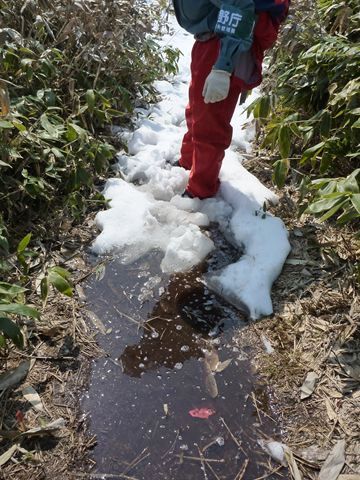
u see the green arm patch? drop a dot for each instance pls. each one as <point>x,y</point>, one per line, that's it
<point>236,22</point>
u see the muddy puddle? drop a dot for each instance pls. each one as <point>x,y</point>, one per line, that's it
<point>169,343</point>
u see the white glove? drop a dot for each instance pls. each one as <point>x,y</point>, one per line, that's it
<point>217,86</point>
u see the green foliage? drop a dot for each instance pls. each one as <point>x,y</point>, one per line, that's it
<point>13,296</point>
<point>311,108</point>
<point>10,330</point>
<point>335,194</point>
<point>70,71</point>
<point>59,278</point>
<point>12,303</point>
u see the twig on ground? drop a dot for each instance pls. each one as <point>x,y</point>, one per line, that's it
<point>158,318</point>
<point>104,475</point>
<point>202,463</point>
<point>140,324</point>
<point>208,445</point>
<point>136,461</point>
<point>256,406</point>
<point>258,409</point>
<point>267,475</point>
<point>211,469</point>
<point>242,471</point>
<point>54,359</point>
<point>199,459</point>
<point>172,445</point>
<point>232,435</point>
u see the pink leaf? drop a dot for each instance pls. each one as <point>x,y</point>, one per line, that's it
<point>202,412</point>
<point>19,416</point>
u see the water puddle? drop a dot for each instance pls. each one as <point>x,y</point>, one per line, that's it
<point>169,342</point>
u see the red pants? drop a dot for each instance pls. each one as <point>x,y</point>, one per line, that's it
<point>209,131</point>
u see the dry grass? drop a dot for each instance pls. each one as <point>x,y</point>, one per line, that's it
<point>61,347</point>
<point>315,328</point>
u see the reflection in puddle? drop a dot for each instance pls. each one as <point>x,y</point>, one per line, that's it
<point>170,347</point>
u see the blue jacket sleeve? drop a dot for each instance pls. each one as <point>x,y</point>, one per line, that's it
<point>234,25</point>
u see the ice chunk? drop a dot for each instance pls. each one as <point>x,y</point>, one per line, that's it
<point>187,247</point>
<point>276,450</point>
<point>124,221</point>
<point>249,281</point>
<point>267,345</point>
<point>165,184</point>
<point>136,223</point>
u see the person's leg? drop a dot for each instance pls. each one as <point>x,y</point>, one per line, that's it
<point>187,147</point>
<point>211,129</point>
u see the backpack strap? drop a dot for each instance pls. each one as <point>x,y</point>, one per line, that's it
<point>217,3</point>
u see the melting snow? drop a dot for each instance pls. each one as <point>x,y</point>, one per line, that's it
<point>147,211</point>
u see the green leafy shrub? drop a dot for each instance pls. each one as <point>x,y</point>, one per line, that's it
<point>13,295</point>
<point>71,69</point>
<point>311,107</point>
<point>12,305</point>
<point>68,71</point>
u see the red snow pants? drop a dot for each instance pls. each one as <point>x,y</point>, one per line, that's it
<point>209,131</point>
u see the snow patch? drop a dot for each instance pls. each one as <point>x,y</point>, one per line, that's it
<point>136,223</point>
<point>276,450</point>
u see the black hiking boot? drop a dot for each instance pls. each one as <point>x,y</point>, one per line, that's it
<point>187,194</point>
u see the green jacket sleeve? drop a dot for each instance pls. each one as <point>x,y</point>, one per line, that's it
<point>234,26</point>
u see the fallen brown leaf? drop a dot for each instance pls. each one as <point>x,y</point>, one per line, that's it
<point>334,463</point>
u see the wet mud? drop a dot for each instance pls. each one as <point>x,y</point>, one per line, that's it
<point>171,350</point>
